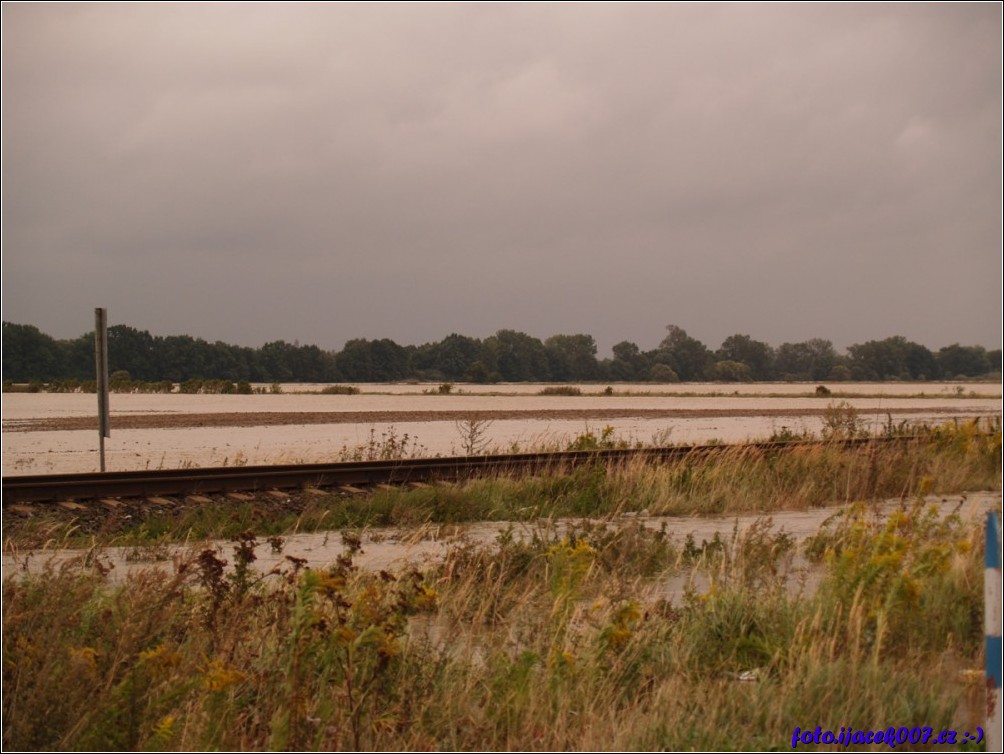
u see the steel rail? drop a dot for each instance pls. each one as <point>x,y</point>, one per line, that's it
<point>215,480</point>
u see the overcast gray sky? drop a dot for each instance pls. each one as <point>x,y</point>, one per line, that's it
<point>322,172</point>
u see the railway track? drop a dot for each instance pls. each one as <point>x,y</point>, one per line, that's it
<point>209,481</point>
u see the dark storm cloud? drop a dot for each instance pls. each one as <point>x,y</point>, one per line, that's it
<point>323,172</point>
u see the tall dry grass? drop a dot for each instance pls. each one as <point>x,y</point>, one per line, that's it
<point>733,480</point>
<point>563,639</point>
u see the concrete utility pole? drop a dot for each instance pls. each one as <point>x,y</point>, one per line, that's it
<point>101,365</point>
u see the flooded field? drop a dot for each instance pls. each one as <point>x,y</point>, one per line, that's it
<point>52,433</point>
<point>931,389</point>
<point>396,548</point>
<point>531,594</point>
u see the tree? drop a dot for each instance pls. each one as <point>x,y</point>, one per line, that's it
<point>450,359</point>
<point>920,362</point>
<point>892,358</point>
<point>455,355</point>
<point>276,358</point>
<point>29,354</point>
<point>840,373</point>
<point>662,373</point>
<point>518,356</point>
<point>687,356</point>
<point>480,373</point>
<point>391,359</point>
<point>963,361</point>
<point>372,360</point>
<point>629,363</point>
<point>994,357</point>
<point>78,356</point>
<point>729,371</point>
<point>571,357</point>
<point>181,359</point>
<point>808,360</point>
<point>310,364</point>
<point>758,356</point>
<point>133,350</point>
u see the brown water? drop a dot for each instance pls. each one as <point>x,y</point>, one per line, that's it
<point>391,549</point>
<point>39,452</point>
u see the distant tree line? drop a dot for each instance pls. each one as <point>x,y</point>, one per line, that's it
<point>506,356</point>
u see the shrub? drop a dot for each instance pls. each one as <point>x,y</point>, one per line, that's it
<point>15,387</point>
<point>190,387</point>
<point>560,390</point>
<point>388,447</point>
<point>840,421</point>
<point>840,373</point>
<point>340,390</point>
<point>474,434</point>
<point>663,373</point>
<point>729,371</point>
<point>140,386</point>
<point>910,574</point>
<point>607,440</point>
<point>207,387</point>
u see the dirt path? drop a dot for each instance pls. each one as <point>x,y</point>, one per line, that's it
<point>277,418</point>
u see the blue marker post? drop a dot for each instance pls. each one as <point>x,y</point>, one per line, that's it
<point>992,622</point>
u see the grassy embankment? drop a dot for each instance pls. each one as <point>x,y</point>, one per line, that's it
<point>562,640</point>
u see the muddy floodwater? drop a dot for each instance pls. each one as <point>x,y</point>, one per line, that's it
<point>392,549</point>
<point>52,433</point>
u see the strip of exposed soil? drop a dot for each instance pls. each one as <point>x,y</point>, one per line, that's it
<point>276,418</point>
